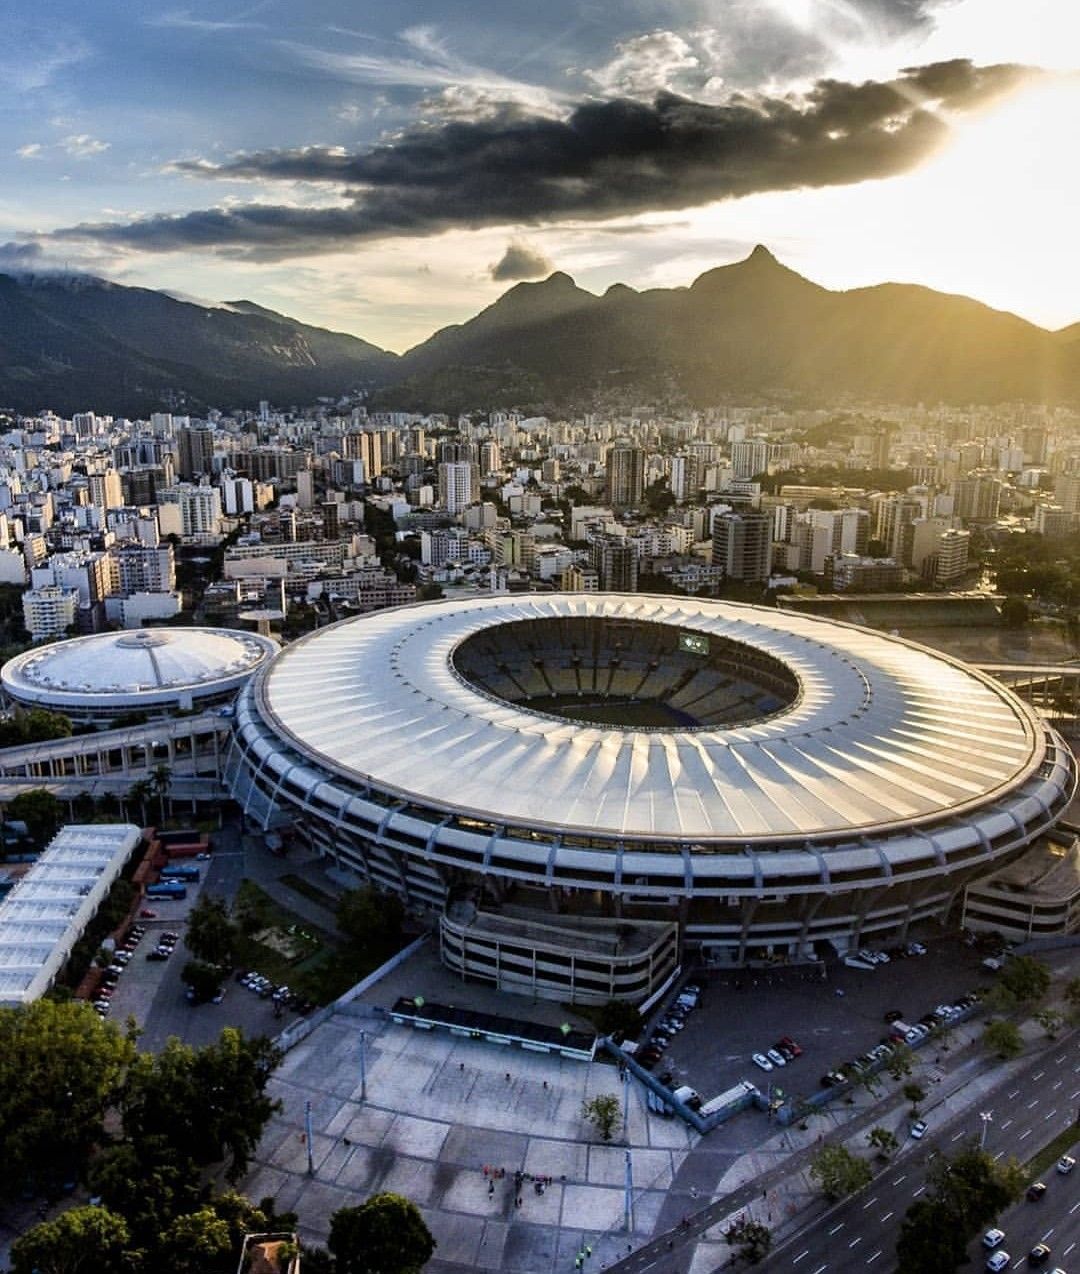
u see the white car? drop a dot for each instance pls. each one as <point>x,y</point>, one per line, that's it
<point>759,1059</point>
<point>916,949</point>
<point>999,1260</point>
<point>1066,1164</point>
<point>776,1057</point>
<point>993,1238</point>
<point>918,1130</point>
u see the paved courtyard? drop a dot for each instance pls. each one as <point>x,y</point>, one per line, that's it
<point>439,1111</point>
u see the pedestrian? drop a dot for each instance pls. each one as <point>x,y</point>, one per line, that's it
<point>508,1077</point>
<point>461,1066</point>
<point>491,1187</point>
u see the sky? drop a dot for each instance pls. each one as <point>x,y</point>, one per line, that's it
<point>387,169</point>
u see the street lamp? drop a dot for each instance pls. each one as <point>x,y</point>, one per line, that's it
<point>363,1066</point>
<point>987,1117</point>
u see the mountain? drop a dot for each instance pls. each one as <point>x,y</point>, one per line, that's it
<point>755,329</point>
<point>72,343</point>
<point>752,331</point>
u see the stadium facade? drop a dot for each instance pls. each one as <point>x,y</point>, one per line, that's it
<point>579,786</point>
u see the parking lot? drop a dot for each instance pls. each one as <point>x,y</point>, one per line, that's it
<point>747,1012</point>
<point>151,991</point>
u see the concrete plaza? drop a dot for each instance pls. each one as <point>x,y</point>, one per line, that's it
<point>441,1114</point>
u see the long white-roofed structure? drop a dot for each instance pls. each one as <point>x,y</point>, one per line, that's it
<point>762,779</point>
<point>49,909</point>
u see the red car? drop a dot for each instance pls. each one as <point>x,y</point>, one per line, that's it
<point>787,1042</point>
<point>150,915</point>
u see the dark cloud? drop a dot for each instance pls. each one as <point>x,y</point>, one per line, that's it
<point>21,256</point>
<point>519,261</point>
<point>605,159</point>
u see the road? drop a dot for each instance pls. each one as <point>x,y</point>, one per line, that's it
<point>1030,1109</point>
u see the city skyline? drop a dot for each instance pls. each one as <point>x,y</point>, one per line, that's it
<point>389,172</point>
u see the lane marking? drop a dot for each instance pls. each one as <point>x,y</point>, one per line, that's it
<point>1033,1104</point>
<point>1060,1059</point>
<point>1015,1093</point>
<point>1068,1249</point>
<point>1005,1124</point>
<point>899,1179</point>
<point>1050,1116</point>
<point>1076,1094</point>
<point>1047,1235</point>
<point>869,1203</point>
<point>837,1228</point>
<point>855,1242</point>
<point>1039,1075</point>
<point>800,1256</point>
<point>957,1136</point>
<point>886,1217</point>
<point>998,1155</point>
<point>871,1259</point>
<point>918,1192</point>
<point>1073,1208</point>
<point>822,1267</point>
<point>1055,1087</point>
<point>1025,1134</point>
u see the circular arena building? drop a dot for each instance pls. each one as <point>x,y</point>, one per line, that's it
<point>154,672</point>
<point>581,784</point>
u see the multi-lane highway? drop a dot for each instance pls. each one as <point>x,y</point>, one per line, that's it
<point>1036,1105</point>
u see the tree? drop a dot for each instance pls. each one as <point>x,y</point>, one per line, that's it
<point>1051,1021</point>
<point>148,1185</point>
<point>199,1243</point>
<point>61,1067</point>
<point>203,979</point>
<point>138,794</point>
<point>82,1239</point>
<point>385,1235</point>
<point>211,935</point>
<point>35,726</point>
<point>1072,998</point>
<point>839,1172</point>
<point>973,1187</point>
<point>883,1141</point>
<point>901,1063</point>
<point>209,1103</point>
<point>370,920</point>
<point>1003,1038</point>
<point>619,1017</point>
<point>914,1093</point>
<point>1014,612</point>
<point>602,1111</point>
<point>929,1241</point>
<point>753,1240</point>
<point>40,811</point>
<point>1025,978</point>
<point>160,781</point>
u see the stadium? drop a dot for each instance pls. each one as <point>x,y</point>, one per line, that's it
<point>580,786</point>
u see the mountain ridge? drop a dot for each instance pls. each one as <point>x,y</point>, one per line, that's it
<point>753,328</point>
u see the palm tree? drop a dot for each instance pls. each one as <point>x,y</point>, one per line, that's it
<point>160,778</point>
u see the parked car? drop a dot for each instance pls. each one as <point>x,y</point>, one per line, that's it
<point>759,1059</point>
<point>787,1042</point>
<point>147,914</point>
<point>894,1015</point>
<point>775,1056</point>
<point>1039,1254</point>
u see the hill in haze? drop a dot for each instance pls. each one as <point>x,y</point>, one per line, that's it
<point>753,331</point>
<point>74,342</point>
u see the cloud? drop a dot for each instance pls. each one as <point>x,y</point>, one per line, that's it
<point>646,65</point>
<point>519,261</point>
<point>82,145</point>
<point>602,160</point>
<point>20,256</point>
<point>32,150</point>
<point>184,20</point>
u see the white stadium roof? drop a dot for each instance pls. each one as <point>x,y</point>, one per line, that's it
<point>142,667</point>
<point>882,734</point>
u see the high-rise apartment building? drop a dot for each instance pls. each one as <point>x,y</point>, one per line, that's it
<point>459,485</point>
<point>196,446</point>
<point>615,561</point>
<point>626,476</point>
<point>742,545</point>
<point>977,497</point>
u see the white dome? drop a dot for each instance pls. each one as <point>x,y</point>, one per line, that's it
<point>130,671</point>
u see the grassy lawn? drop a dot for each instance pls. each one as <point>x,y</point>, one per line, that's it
<point>321,975</point>
<point>313,892</point>
<point>1051,1153</point>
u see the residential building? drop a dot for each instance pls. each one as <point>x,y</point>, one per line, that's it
<point>742,545</point>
